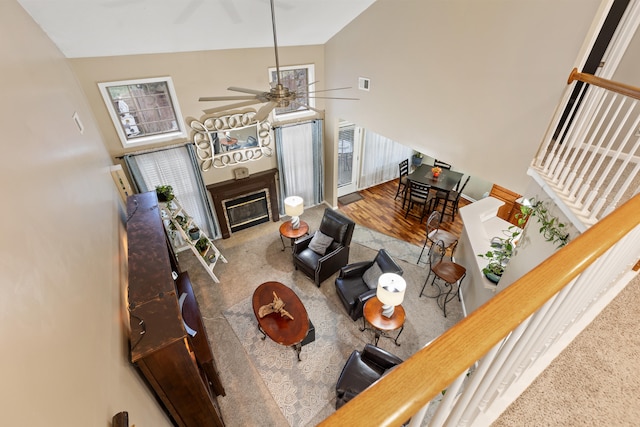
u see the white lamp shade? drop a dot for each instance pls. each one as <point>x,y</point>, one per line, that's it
<point>391,288</point>
<point>293,206</point>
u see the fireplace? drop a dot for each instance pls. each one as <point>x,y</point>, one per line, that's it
<point>243,203</point>
<point>248,210</point>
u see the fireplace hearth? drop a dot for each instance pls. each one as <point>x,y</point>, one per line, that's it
<point>246,211</point>
<point>243,203</point>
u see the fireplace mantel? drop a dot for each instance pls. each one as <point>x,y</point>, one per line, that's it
<point>232,188</point>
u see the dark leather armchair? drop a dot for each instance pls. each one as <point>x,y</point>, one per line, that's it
<point>317,266</point>
<point>351,286</point>
<point>362,370</point>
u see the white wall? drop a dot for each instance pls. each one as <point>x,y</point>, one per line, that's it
<point>473,83</point>
<point>64,350</point>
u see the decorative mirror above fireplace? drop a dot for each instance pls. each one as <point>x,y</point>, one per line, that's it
<point>229,140</point>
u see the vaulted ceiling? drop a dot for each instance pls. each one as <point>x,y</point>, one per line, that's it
<point>88,28</point>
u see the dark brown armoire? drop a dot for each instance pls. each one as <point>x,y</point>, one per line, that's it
<point>168,340</point>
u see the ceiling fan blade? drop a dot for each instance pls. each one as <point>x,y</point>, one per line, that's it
<point>264,111</point>
<point>326,90</point>
<point>231,106</point>
<point>244,90</point>
<point>226,98</point>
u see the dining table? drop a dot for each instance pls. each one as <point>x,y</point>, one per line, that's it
<point>446,181</point>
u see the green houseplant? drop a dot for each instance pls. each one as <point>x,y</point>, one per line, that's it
<point>550,226</point>
<point>182,222</point>
<point>164,193</point>
<point>416,159</point>
<point>202,245</point>
<point>500,253</point>
<point>502,248</point>
<point>194,233</point>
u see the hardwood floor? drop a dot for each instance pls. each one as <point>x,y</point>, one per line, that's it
<point>380,212</point>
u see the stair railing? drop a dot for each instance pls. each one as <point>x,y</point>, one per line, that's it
<point>591,158</point>
<point>488,356</point>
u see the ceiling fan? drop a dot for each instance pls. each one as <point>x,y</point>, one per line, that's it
<point>279,96</point>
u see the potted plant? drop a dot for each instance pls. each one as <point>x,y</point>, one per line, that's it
<point>164,193</point>
<point>500,254</point>
<point>416,159</point>
<point>194,233</point>
<point>550,226</point>
<point>202,245</point>
<point>181,220</point>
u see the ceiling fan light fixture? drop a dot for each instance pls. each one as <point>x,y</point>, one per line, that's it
<point>278,96</point>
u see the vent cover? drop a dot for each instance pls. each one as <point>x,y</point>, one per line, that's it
<point>364,83</point>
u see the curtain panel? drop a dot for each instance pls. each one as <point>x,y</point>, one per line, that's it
<point>178,167</point>
<point>300,162</point>
<point>380,159</point>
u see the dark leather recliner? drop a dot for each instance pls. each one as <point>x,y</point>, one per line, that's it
<point>351,287</point>
<point>362,370</point>
<point>320,267</point>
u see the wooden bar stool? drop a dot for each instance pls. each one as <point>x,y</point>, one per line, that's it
<point>448,272</point>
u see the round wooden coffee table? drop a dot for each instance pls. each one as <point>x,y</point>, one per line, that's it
<point>372,313</point>
<point>282,330</point>
<point>286,230</point>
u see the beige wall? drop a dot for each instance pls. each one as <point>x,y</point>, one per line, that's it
<point>194,74</point>
<point>64,353</point>
<point>472,83</point>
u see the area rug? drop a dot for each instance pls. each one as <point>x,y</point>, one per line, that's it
<point>250,367</point>
<point>349,198</point>
<point>398,249</point>
<point>303,388</point>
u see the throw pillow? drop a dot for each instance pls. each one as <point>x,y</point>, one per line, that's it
<point>371,276</point>
<point>320,242</point>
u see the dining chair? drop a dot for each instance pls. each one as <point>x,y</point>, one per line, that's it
<point>435,233</point>
<point>418,196</point>
<point>402,182</point>
<point>449,273</point>
<point>441,164</point>
<point>450,200</point>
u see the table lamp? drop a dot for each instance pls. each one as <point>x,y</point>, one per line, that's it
<point>390,292</point>
<point>294,206</point>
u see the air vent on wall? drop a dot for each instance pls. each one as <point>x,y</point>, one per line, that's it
<point>364,83</point>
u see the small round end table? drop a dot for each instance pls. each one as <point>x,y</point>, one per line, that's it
<point>372,313</point>
<point>287,231</point>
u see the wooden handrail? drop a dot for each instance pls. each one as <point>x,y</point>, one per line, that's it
<point>399,395</point>
<point>621,88</point>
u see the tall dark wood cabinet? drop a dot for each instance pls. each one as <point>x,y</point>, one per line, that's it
<point>177,365</point>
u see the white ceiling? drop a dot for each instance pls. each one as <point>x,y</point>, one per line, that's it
<point>86,28</point>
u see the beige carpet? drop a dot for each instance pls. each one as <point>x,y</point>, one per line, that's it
<point>302,388</point>
<point>596,380</point>
<point>254,256</point>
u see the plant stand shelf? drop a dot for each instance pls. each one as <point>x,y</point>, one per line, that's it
<point>178,222</point>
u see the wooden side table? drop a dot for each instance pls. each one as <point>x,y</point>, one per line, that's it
<point>287,231</point>
<point>372,311</point>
